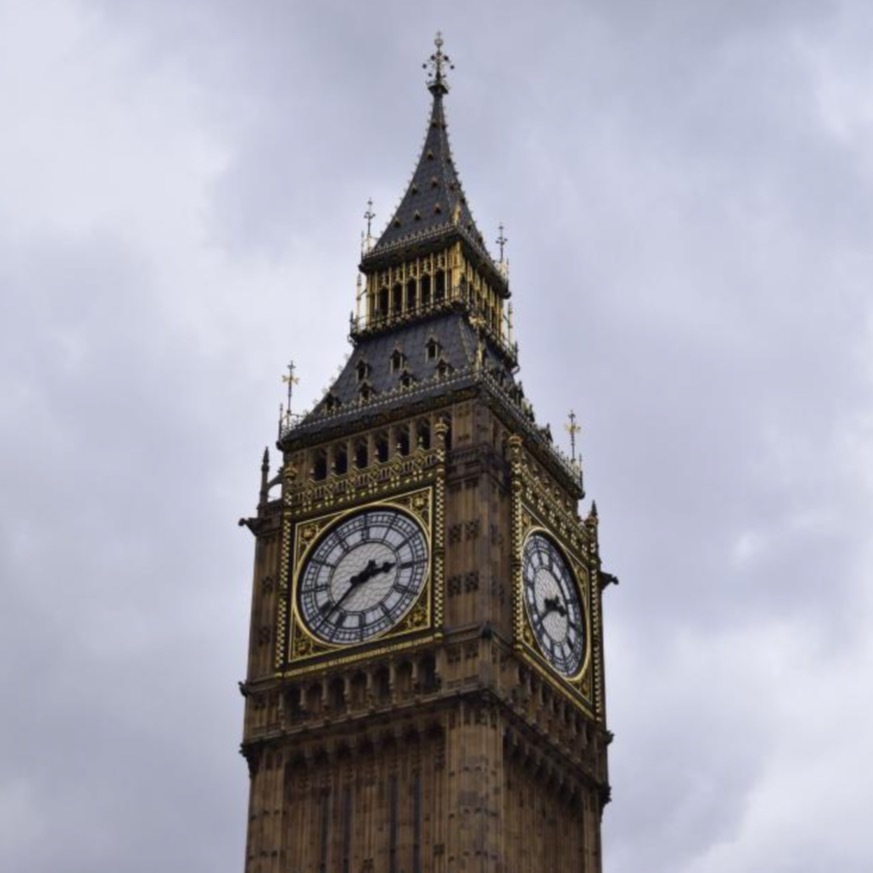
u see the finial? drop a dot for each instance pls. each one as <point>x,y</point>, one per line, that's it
<point>437,62</point>
<point>572,428</point>
<point>290,380</point>
<point>369,215</point>
<point>501,241</point>
<point>367,240</point>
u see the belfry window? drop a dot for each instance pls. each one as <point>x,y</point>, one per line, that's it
<point>410,295</point>
<point>382,308</point>
<point>397,299</point>
<point>362,455</point>
<point>425,290</point>
<point>440,286</point>
<point>319,468</point>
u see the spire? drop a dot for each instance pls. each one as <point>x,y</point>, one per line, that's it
<point>434,206</point>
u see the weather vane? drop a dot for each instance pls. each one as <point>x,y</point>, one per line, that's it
<point>573,428</point>
<point>437,62</point>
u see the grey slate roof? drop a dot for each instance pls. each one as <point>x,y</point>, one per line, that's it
<point>370,365</point>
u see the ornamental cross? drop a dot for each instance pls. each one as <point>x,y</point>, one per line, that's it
<point>437,62</point>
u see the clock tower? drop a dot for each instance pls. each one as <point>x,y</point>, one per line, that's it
<point>425,685</point>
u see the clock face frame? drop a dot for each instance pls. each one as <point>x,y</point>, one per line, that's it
<point>362,576</point>
<point>554,605</point>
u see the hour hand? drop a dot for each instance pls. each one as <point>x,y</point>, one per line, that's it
<point>554,604</point>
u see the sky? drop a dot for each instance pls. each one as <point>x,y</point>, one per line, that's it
<point>686,190</point>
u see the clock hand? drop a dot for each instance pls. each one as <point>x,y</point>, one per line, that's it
<point>372,569</point>
<point>553,604</point>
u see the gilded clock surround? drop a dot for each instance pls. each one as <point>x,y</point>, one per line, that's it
<point>417,505</point>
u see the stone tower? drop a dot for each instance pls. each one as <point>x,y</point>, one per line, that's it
<point>425,687</point>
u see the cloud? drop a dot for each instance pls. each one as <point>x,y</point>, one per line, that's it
<point>686,193</point>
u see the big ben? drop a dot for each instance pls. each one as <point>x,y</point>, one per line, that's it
<point>425,685</point>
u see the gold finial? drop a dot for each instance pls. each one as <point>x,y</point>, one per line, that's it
<point>290,380</point>
<point>573,428</point>
<point>438,62</point>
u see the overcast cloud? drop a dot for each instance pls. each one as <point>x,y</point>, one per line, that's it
<point>686,187</point>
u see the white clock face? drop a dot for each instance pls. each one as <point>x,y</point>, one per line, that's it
<point>553,604</point>
<point>363,576</point>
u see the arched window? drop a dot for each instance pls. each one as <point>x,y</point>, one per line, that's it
<point>397,299</point>
<point>425,290</point>
<point>383,684</point>
<point>382,446</point>
<point>423,434</point>
<point>402,434</point>
<point>411,301</point>
<point>340,460</point>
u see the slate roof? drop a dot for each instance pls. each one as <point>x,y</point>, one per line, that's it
<point>434,207</point>
<point>417,376</point>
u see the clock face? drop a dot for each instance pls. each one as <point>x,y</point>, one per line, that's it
<point>553,604</point>
<point>363,576</point>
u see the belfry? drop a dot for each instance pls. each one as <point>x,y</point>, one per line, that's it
<point>425,685</point>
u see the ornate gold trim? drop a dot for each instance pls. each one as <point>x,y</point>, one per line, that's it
<point>299,644</point>
<point>536,506</point>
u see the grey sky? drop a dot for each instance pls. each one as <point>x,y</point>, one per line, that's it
<point>686,187</point>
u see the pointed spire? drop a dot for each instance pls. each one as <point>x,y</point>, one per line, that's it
<point>434,207</point>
